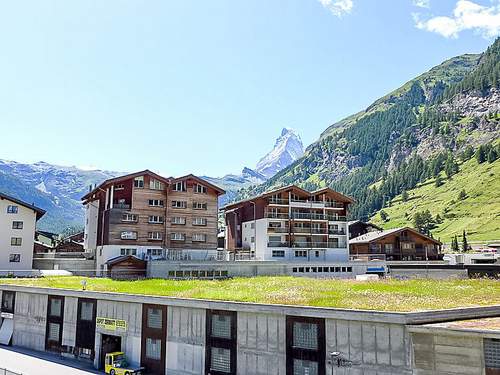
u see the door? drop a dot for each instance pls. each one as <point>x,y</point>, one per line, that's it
<point>85,328</point>
<point>109,344</point>
<point>153,341</point>
<point>54,328</point>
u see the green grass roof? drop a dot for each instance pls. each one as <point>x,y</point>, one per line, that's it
<point>384,295</point>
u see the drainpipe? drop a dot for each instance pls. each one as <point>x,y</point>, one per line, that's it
<point>254,228</point>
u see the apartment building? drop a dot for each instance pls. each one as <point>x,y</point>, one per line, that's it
<point>17,235</point>
<point>152,217</point>
<point>290,224</point>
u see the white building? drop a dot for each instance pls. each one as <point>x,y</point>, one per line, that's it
<point>291,224</point>
<point>17,235</point>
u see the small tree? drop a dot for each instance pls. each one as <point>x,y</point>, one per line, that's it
<point>454,244</point>
<point>424,222</point>
<point>462,195</point>
<point>451,166</point>
<point>438,219</point>
<point>468,153</point>
<point>480,154</point>
<point>492,155</point>
<point>439,181</point>
<point>404,196</point>
<point>383,215</point>
<point>465,245</point>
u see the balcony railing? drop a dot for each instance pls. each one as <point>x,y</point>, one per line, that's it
<point>336,232</point>
<point>278,229</point>
<point>277,201</point>
<point>334,204</point>
<point>319,245</point>
<point>277,244</point>
<point>121,206</point>
<point>277,215</point>
<point>336,218</point>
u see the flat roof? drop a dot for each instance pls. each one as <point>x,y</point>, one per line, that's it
<point>489,327</point>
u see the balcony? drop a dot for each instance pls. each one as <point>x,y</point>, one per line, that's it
<point>277,244</point>
<point>278,201</point>
<point>278,229</point>
<point>307,203</point>
<point>336,232</point>
<point>334,204</point>
<point>121,206</point>
<point>320,245</point>
<point>277,215</point>
<point>308,216</point>
<point>336,218</point>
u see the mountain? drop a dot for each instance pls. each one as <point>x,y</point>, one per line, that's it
<point>56,189</point>
<point>405,137</point>
<point>468,201</point>
<point>287,149</point>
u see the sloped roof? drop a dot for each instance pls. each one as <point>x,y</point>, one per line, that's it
<point>373,236</point>
<point>200,180</point>
<point>39,212</point>
<point>122,258</point>
<point>352,222</point>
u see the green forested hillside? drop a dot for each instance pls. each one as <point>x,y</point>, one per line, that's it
<point>405,138</point>
<point>477,211</point>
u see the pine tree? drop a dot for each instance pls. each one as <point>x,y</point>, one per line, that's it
<point>451,166</point>
<point>404,196</point>
<point>462,195</point>
<point>492,155</point>
<point>383,215</point>
<point>454,244</point>
<point>468,153</point>
<point>480,154</point>
<point>439,181</point>
<point>465,245</point>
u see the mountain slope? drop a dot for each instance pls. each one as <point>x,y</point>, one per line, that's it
<point>56,189</point>
<point>404,137</point>
<point>478,212</point>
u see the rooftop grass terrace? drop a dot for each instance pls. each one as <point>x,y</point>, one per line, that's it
<point>383,295</point>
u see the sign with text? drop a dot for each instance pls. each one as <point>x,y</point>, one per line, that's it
<point>111,324</point>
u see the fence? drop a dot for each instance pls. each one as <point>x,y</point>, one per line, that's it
<point>4,371</point>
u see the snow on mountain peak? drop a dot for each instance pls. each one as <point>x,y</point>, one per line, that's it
<point>286,150</point>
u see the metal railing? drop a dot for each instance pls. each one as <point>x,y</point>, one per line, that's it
<point>367,257</point>
<point>277,201</point>
<point>277,215</point>
<point>334,204</point>
<point>277,244</point>
<point>121,206</point>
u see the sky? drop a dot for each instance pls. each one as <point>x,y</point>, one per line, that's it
<point>205,87</point>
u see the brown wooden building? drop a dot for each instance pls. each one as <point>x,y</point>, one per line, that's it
<point>146,215</point>
<point>397,244</point>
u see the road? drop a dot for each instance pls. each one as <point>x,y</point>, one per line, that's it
<point>28,362</point>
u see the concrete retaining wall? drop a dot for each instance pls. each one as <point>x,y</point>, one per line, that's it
<point>79,267</point>
<point>30,321</point>
<point>439,274</point>
<point>185,341</point>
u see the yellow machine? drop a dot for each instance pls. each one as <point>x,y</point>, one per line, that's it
<point>116,364</point>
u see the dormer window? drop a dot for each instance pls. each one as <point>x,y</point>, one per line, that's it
<point>179,186</point>
<point>139,182</point>
<point>155,184</point>
<point>119,187</point>
<point>200,189</point>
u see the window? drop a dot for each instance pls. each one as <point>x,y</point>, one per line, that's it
<point>178,220</point>
<point>300,253</point>
<point>153,348</point>
<point>156,203</point>
<point>252,239</point>
<point>407,245</point>
<point>53,334</point>
<point>119,187</point>
<point>155,219</point>
<point>177,236</point>
<point>199,237</point>
<point>156,236</point>
<point>200,189</point>
<point>14,258</point>
<point>128,251</point>
<point>17,225</point>
<point>128,235</point>
<point>491,355</point>
<point>155,318</point>
<point>155,184</point>
<point>139,182</point>
<point>305,352</point>
<point>55,307</point>
<point>132,218</point>
<point>388,247</point>
<point>221,342</point>
<point>87,311</point>
<point>199,221</point>
<point>16,241</point>
<point>155,252</point>
<point>12,209</point>
<point>278,253</point>
<point>179,204</point>
<point>8,299</point>
<point>179,186</point>
<point>199,206</point>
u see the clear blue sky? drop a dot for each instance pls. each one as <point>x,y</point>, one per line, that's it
<point>181,86</point>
